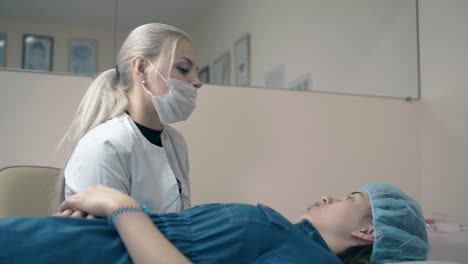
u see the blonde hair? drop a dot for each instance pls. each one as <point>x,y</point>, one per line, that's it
<point>106,97</point>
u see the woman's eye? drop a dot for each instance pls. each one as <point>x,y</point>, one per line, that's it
<point>182,70</point>
<point>349,197</point>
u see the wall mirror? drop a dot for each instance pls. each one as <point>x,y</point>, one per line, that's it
<point>366,47</point>
<point>361,47</point>
<point>60,36</point>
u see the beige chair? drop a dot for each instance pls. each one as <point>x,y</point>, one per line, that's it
<point>26,190</point>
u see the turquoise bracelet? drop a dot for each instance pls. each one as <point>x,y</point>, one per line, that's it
<point>127,209</point>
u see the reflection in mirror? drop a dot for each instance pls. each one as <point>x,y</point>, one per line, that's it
<point>366,47</point>
<point>64,36</point>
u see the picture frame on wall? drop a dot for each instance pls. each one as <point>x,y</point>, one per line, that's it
<point>242,60</point>
<point>3,43</point>
<point>302,83</point>
<point>83,57</point>
<point>204,74</point>
<point>222,69</point>
<point>275,77</point>
<point>37,52</point>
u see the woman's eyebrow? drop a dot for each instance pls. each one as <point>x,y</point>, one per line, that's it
<point>189,61</point>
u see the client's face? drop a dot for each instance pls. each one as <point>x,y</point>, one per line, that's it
<point>341,217</point>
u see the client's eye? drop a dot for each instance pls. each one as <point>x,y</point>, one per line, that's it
<point>349,197</point>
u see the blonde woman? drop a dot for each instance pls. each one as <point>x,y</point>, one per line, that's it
<point>121,136</point>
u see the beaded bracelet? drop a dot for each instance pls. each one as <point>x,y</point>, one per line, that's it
<point>127,209</point>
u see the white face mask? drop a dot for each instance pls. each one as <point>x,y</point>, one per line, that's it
<point>177,104</point>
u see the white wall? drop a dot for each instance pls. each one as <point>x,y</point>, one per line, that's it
<point>444,107</point>
<point>287,148</point>
<point>282,148</point>
<point>358,47</point>
<point>62,35</point>
<point>35,112</point>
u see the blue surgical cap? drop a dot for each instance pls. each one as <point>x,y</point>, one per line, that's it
<point>399,226</point>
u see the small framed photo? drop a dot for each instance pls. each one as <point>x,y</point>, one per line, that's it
<point>3,49</point>
<point>302,83</point>
<point>83,56</point>
<point>222,69</point>
<point>274,78</point>
<point>37,52</point>
<point>204,74</point>
<point>242,60</point>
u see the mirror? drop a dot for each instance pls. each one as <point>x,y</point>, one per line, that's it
<point>64,36</point>
<point>364,47</point>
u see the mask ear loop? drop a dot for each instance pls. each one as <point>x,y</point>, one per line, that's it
<point>157,71</point>
<point>144,83</point>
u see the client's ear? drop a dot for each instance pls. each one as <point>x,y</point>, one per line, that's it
<point>364,235</point>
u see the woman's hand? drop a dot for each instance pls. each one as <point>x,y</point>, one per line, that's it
<point>99,201</point>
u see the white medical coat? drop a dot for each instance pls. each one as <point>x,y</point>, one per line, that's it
<point>116,154</point>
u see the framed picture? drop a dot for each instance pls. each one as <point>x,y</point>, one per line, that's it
<point>83,56</point>
<point>2,49</point>
<point>37,52</point>
<point>303,83</point>
<point>242,60</point>
<point>222,69</point>
<point>274,78</point>
<point>204,74</point>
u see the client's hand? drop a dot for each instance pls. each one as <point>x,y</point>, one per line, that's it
<point>74,213</point>
<point>98,201</point>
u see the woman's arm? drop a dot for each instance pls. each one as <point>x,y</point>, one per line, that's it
<point>144,242</point>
